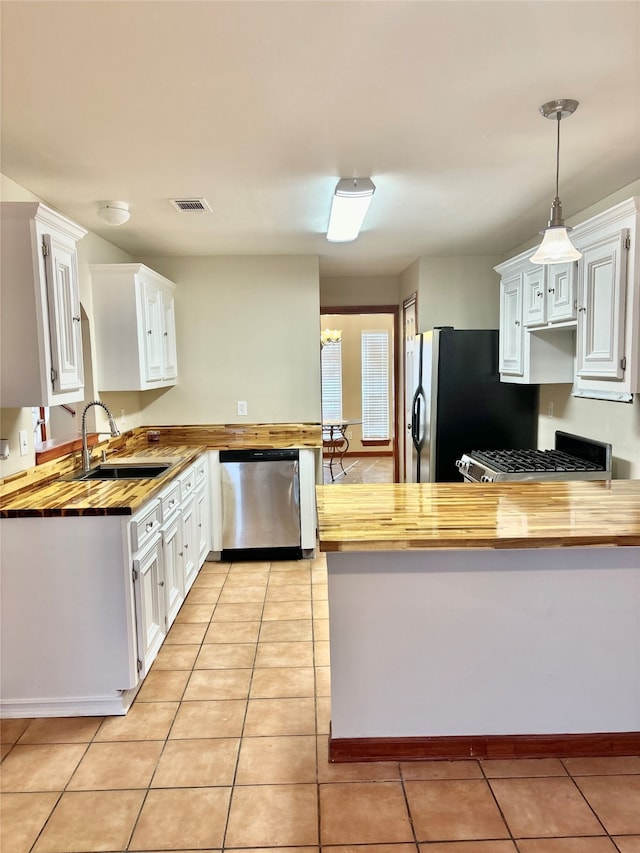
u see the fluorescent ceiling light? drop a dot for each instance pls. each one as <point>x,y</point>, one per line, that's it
<point>351,201</point>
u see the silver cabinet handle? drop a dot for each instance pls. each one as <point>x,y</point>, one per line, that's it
<point>149,526</point>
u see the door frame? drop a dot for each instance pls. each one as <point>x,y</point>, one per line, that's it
<point>381,309</point>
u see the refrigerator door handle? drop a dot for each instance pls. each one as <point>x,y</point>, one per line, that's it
<point>416,436</point>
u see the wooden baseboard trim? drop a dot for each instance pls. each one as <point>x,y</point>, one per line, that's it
<point>484,746</point>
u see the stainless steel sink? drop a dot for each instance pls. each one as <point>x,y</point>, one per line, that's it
<point>119,471</point>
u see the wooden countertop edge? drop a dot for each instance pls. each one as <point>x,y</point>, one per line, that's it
<point>512,543</point>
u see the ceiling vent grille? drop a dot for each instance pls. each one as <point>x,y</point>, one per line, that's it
<point>198,205</point>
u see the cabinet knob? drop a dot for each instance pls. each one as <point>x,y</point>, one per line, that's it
<point>160,583</point>
<point>149,526</point>
<point>538,293</point>
<point>552,290</point>
<point>77,319</point>
<point>516,322</point>
<point>149,331</point>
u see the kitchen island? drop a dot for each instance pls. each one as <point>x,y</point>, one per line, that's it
<point>495,620</point>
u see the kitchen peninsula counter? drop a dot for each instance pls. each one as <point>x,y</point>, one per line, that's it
<point>406,516</point>
<point>486,620</point>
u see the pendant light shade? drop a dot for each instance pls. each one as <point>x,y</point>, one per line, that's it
<point>556,247</point>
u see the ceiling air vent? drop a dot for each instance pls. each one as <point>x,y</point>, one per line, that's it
<point>191,204</point>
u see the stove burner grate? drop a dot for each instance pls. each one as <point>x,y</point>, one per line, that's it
<point>522,461</point>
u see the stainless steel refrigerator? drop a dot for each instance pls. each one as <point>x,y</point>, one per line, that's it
<point>460,404</point>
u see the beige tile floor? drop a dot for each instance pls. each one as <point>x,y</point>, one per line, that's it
<point>226,748</point>
<point>360,469</point>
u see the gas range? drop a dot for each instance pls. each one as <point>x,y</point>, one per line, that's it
<point>574,458</point>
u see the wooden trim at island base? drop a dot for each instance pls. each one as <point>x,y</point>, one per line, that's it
<point>601,744</point>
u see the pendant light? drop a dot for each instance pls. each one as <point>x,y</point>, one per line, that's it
<point>556,247</point>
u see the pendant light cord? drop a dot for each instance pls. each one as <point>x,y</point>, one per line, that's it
<point>558,117</point>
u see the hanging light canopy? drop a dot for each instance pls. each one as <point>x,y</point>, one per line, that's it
<point>351,200</point>
<point>556,247</point>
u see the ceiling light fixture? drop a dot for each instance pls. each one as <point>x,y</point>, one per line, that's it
<point>114,212</point>
<point>349,206</point>
<point>556,247</point>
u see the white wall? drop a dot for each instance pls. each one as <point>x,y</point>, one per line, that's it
<point>248,328</point>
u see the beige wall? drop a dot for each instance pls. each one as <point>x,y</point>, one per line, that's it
<point>341,291</point>
<point>352,326</point>
<point>248,328</point>
<point>460,292</point>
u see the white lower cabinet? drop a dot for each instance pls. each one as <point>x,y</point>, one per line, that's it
<point>172,561</point>
<point>148,584</point>
<point>98,614</point>
<point>189,543</point>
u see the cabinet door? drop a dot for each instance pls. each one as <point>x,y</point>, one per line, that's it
<point>189,544</point>
<point>150,606</point>
<point>152,312</point>
<point>561,292</point>
<point>602,274</point>
<point>169,336</point>
<point>511,330</point>
<point>203,512</point>
<point>534,280</point>
<point>172,554</point>
<point>63,299</point>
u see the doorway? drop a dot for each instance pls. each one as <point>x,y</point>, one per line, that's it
<point>368,396</point>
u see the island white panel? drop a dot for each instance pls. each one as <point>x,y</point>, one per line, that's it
<point>532,641</point>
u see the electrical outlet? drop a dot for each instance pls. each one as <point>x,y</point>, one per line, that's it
<point>23,442</point>
<point>550,410</point>
<point>242,407</point>
<point>349,435</point>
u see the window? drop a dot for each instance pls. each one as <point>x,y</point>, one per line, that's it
<point>375,386</point>
<point>331,361</point>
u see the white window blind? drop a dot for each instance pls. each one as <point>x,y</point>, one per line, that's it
<point>331,360</point>
<point>375,386</point>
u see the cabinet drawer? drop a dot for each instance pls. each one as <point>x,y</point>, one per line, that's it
<point>201,470</point>
<point>144,525</point>
<point>188,483</point>
<point>170,500</point>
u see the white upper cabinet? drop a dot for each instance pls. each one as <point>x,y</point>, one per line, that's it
<point>549,294</point>
<point>577,322</point>
<point>41,353</point>
<point>532,351</point>
<point>134,316</point>
<point>608,338</point>
<point>511,329</point>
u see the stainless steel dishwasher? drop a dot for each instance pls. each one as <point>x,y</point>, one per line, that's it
<point>260,503</point>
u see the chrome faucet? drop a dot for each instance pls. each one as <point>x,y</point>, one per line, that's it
<point>86,455</point>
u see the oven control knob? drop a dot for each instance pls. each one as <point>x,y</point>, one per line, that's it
<point>486,479</point>
<point>462,466</point>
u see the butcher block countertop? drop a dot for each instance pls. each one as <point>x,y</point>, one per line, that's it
<point>60,497</point>
<point>413,516</point>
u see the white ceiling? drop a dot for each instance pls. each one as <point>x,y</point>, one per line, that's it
<point>261,106</point>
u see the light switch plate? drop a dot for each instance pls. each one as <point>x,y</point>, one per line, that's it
<point>23,441</point>
<point>242,407</point>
